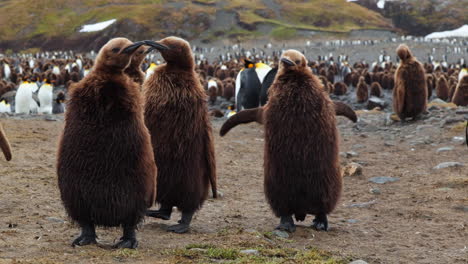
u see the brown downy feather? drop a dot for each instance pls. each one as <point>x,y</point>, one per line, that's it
<point>410,92</point>
<point>176,115</point>
<point>460,96</point>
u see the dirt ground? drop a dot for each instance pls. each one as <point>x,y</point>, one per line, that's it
<point>421,218</point>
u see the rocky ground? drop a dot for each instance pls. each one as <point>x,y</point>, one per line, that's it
<point>404,200</point>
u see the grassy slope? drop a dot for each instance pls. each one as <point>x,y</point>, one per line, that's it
<point>28,18</point>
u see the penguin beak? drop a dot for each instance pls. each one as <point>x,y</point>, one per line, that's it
<point>132,48</point>
<point>156,45</point>
<point>288,62</point>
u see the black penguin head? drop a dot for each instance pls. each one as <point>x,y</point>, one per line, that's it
<point>292,60</point>
<point>117,53</point>
<point>175,51</point>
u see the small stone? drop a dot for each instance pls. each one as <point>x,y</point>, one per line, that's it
<point>462,208</point>
<point>375,191</point>
<point>363,205</point>
<point>360,261</point>
<point>220,194</point>
<point>351,154</point>
<point>449,164</point>
<point>50,118</point>
<point>358,146</point>
<point>444,149</point>
<point>438,101</point>
<point>250,230</point>
<point>250,252</point>
<point>462,112</point>
<point>352,169</point>
<point>280,233</point>
<point>352,221</point>
<point>54,219</point>
<point>458,140</point>
<point>423,127</point>
<point>444,189</point>
<point>383,179</point>
<point>389,144</point>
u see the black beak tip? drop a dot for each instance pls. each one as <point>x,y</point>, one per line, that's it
<point>156,45</point>
<point>288,62</point>
<point>132,48</point>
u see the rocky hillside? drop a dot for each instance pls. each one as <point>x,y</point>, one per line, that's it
<point>418,17</point>
<point>51,24</point>
<point>56,24</point>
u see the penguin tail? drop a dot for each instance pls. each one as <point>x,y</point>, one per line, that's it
<point>4,144</point>
<point>343,109</point>
<point>243,117</point>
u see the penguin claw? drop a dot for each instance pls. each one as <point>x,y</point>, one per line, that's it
<point>158,214</point>
<point>320,223</point>
<point>84,240</point>
<point>179,228</point>
<point>130,243</point>
<point>288,227</point>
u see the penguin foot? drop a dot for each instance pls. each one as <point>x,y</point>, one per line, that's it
<point>87,237</point>
<point>130,243</point>
<point>320,222</point>
<point>84,240</point>
<point>287,224</point>
<point>179,228</point>
<point>184,224</point>
<point>158,214</point>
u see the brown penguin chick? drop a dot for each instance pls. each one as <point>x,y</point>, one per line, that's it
<point>177,117</point>
<point>410,92</point>
<point>229,91</point>
<point>452,87</point>
<point>376,89</point>
<point>348,79</point>
<point>105,166</point>
<point>355,79</point>
<point>4,144</point>
<point>331,76</point>
<point>297,181</point>
<point>340,88</point>
<point>442,88</point>
<point>134,69</point>
<point>460,97</point>
<point>430,85</point>
<point>362,90</point>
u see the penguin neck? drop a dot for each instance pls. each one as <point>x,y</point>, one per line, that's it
<point>185,65</point>
<point>109,70</point>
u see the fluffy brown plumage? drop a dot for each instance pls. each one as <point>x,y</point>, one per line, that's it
<point>340,88</point>
<point>106,170</point>
<point>376,89</point>
<point>177,117</point>
<point>4,144</point>
<point>442,88</point>
<point>134,69</point>
<point>460,97</point>
<point>362,91</point>
<point>298,181</point>
<point>410,92</point>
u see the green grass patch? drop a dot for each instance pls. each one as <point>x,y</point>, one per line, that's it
<point>282,33</point>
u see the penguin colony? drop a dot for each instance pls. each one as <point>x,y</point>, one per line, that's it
<point>140,130</point>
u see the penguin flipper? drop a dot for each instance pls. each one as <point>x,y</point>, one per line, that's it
<point>4,144</point>
<point>243,117</point>
<point>211,163</point>
<point>343,109</point>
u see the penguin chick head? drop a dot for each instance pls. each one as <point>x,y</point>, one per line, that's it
<point>116,54</point>
<point>404,52</point>
<point>140,54</point>
<point>292,60</point>
<point>175,51</point>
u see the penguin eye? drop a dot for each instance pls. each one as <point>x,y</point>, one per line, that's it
<point>115,50</point>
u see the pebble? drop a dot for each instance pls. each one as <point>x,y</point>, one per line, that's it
<point>363,205</point>
<point>280,233</point>
<point>352,169</point>
<point>376,102</point>
<point>462,208</point>
<point>54,219</point>
<point>198,249</point>
<point>375,191</point>
<point>444,149</point>
<point>352,221</point>
<point>250,252</point>
<point>462,112</point>
<point>389,144</point>
<point>458,140</point>
<point>383,179</point>
<point>449,164</point>
<point>359,261</point>
<point>423,127</point>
